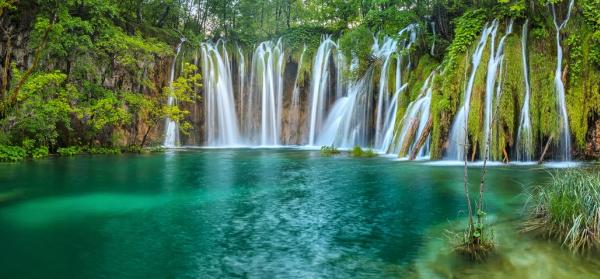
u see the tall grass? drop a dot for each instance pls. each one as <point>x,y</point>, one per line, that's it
<point>568,209</point>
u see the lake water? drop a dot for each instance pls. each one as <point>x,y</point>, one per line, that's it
<point>261,213</point>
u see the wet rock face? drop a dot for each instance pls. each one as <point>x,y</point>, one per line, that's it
<point>592,148</point>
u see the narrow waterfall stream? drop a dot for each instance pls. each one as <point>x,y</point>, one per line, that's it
<point>171,127</point>
<point>492,86</point>
<point>458,132</point>
<point>565,135</point>
<point>525,135</point>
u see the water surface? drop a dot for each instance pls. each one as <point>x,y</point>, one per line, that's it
<point>253,213</point>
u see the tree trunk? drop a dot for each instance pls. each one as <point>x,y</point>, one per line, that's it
<point>412,130</point>
<point>541,160</point>
<point>422,139</point>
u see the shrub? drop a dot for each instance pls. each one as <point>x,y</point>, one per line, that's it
<point>39,153</point>
<point>567,209</point>
<point>12,153</point>
<point>70,151</point>
<point>359,152</point>
<point>104,150</point>
<point>329,150</point>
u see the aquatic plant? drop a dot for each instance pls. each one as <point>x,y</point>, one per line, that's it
<point>359,152</point>
<point>567,209</point>
<point>329,150</point>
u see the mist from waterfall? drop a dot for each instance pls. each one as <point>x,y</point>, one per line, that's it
<point>348,122</point>
<point>172,127</point>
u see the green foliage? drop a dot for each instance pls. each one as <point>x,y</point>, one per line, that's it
<point>12,153</point>
<point>329,150</point>
<point>39,153</point>
<point>359,152</point>
<point>467,29</point>
<point>297,37</point>
<point>567,209</point>
<point>70,151</point>
<point>357,43</point>
<point>390,20</point>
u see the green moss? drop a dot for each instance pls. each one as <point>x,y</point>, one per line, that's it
<point>542,61</point>
<point>511,99</point>
<point>583,88</point>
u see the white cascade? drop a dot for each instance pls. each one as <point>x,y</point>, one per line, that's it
<point>267,67</point>
<point>319,88</point>
<point>525,135</point>
<point>458,132</point>
<point>221,124</point>
<point>491,84</point>
<point>416,117</point>
<point>559,88</point>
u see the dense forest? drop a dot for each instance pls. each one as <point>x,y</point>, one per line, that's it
<point>95,74</point>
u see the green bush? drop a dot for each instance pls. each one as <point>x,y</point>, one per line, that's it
<point>329,150</point>
<point>359,152</point>
<point>103,150</point>
<point>12,153</point>
<point>39,153</point>
<point>70,151</point>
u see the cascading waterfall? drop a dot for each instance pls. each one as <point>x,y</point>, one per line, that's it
<point>348,122</point>
<point>384,52</point>
<point>559,87</point>
<point>294,111</point>
<point>319,88</point>
<point>416,118</point>
<point>524,135</point>
<point>385,125</point>
<point>171,127</point>
<point>458,132</point>
<point>267,67</point>
<point>494,63</point>
<point>221,126</point>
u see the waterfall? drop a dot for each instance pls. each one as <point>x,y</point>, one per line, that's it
<point>172,127</point>
<point>565,135</point>
<point>294,111</point>
<point>494,63</point>
<point>384,52</point>
<point>319,88</point>
<point>267,66</point>
<point>384,124</point>
<point>221,127</point>
<point>524,135</point>
<point>416,117</point>
<point>242,87</point>
<point>348,122</point>
<point>458,132</point>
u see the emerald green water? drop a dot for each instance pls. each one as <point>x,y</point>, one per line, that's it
<point>251,213</point>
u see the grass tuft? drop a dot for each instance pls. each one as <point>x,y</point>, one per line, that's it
<point>567,209</point>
